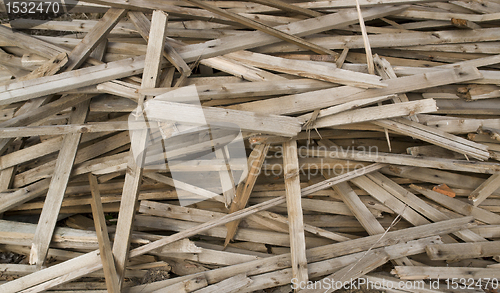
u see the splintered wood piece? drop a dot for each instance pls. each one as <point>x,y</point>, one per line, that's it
<point>50,67</point>
<point>366,42</point>
<point>226,176</point>
<point>294,208</point>
<point>92,39</point>
<point>264,28</point>
<point>444,189</point>
<point>133,176</point>
<point>384,69</point>
<point>108,262</point>
<point>484,190</point>
<point>245,187</point>
<point>57,188</point>
<point>7,174</point>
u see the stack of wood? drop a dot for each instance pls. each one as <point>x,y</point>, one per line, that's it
<point>370,127</point>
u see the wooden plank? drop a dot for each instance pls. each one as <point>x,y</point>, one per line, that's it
<point>294,208</point>
<point>154,53</point>
<point>57,188</point>
<point>245,187</point>
<point>108,262</point>
<point>390,201</point>
<point>49,68</point>
<point>377,113</point>
<point>366,42</point>
<point>239,69</point>
<point>317,70</point>
<point>247,121</point>
<point>133,176</point>
<point>24,90</point>
<point>457,251</point>
<point>484,190</point>
<point>98,33</point>
<point>91,127</point>
<point>257,88</point>
<point>422,14</point>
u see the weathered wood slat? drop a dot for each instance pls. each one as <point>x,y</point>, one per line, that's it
<point>131,185</point>
<point>107,259</point>
<point>57,188</point>
<point>98,33</point>
<point>245,187</point>
<point>436,136</point>
<point>294,209</point>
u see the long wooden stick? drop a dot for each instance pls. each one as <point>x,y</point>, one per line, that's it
<point>108,262</point>
<point>244,189</point>
<point>57,188</point>
<point>294,208</point>
<point>133,178</point>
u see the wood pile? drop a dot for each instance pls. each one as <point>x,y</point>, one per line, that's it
<point>369,131</point>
